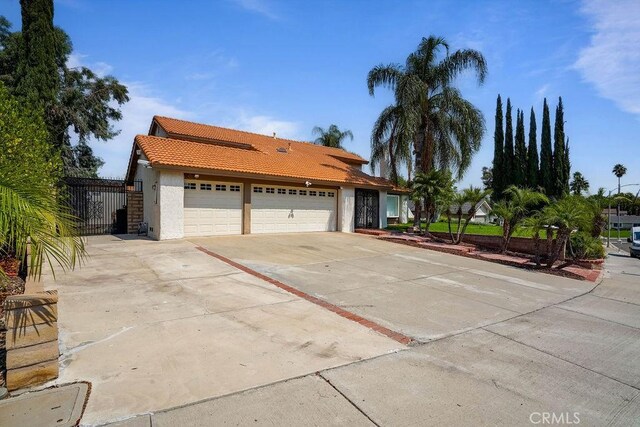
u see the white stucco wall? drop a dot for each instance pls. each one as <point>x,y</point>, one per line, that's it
<point>346,209</point>
<point>149,178</point>
<point>383,208</point>
<point>170,205</point>
<point>404,209</point>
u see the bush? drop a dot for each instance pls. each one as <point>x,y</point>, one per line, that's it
<point>584,246</point>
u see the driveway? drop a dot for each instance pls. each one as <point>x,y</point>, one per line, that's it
<point>155,325</point>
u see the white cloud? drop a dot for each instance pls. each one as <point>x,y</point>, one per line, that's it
<point>258,6</point>
<point>77,60</point>
<point>264,124</point>
<point>542,92</point>
<point>612,59</point>
<point>136,119</point>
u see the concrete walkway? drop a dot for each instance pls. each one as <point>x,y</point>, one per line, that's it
<point>496,345</point>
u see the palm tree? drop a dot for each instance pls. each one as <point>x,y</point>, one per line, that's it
<point>435,190</point>
<point>619,171</point>
<point>520,204</point>
<point>578,184</point>
<point>446,130</point>
<point>391,142</point>
<point>471,197</point>
<point>537,222</point>
<point>567,214</point>
<point>331,137</point>
<point>35,215</point>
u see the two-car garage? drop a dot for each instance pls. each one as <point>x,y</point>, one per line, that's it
<point>216,208</point>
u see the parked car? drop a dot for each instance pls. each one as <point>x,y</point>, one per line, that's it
<point>634,239</point>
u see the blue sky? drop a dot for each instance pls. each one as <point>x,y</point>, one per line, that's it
<point>287,66</point>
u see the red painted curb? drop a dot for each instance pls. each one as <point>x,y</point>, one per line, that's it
<point>403,339</point>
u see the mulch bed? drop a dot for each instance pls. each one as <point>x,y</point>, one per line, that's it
<point>9,286</point>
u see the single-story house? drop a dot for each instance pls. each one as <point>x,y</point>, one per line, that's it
<point>203,180</point>
<point>482,215</point>
<point>625,222</point>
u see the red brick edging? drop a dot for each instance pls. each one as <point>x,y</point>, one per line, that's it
<point>403,339</point>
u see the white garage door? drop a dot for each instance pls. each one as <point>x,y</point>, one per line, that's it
<point>212,208</point>
<point>289,209</point>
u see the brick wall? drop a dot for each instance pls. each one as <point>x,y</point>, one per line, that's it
<point>32,339</point>
<point>135,209</point>
<point>521,245</point>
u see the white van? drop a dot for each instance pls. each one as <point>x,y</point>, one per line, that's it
<point>634,239</point>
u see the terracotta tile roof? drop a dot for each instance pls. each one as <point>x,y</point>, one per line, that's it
<point>182,129</point>
<point>197,146</point>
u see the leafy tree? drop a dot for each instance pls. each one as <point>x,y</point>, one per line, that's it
<point>391,141</point>
<point>509,156</point>
<point>546,155</point>
<point>578,184</point>
<point>75,101</point>
<point>537,223</point>
<point>331,137</point>
<point>533,168</point>
<point>469,198</point>
<point>434,190</point>
<point>498,184</point>
<point>487,178</point>
<point>560,177</point>
<point>30,207</point>
<point>519,204</point>
<point>446,130</point>
<point>520,159</point>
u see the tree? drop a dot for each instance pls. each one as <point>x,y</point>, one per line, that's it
<point>31,209</point>
<point>546,155</point>
<point>578,184</point>
<point>520,154</point>
<point>560,181</point>
<point>537,223</point>
<point>619,171</point>
<point>487,178</point>
<point>434,190</point>
<point>509,156</point>
<point>332,137</point>
<point>498,184</point>
<point>75,101</point>
<point>446,130</point>
<point>470,198</point>
<point>519,204</point>
<point>391,142</point>
<point>533,168</point>
<point>567,214</point>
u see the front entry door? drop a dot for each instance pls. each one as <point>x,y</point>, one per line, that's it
<point>367,209</point>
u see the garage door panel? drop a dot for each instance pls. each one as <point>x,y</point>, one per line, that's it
<point>289,213</point>
<point>212,211</point>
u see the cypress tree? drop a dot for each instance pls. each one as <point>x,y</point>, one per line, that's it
<point>37,78</point>
<point>546,155</point>
<point>508,159</point>
<point>498,153</point>
<point>567,166</point>
<point>533,170</point>
<point>520,163</point>
<point>559,169</point>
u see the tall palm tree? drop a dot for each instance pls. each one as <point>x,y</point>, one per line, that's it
<point>391,142</point>
<point>446,130</point>
<point>578,184</point>
<point>331,137</point>
<point>619,171</point>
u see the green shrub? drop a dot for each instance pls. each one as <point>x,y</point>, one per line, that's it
<point>584,246</point>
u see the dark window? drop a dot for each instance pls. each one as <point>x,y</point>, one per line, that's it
<point>313,193</point>
<point>220,187</point>
<point>303,192</point>
<point>282,191</point>
<point>293,192</point>
<point>234,188</point>
<point>270,190</point>
<point>189,185</point>
<point>331,194</point>
<point>257,189</point>
<point>322,193</point>
<point>205,187</point>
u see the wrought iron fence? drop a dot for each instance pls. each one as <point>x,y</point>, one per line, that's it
<point>100,205</point>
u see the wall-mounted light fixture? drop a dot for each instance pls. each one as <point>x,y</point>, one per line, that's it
<point>196,176</point>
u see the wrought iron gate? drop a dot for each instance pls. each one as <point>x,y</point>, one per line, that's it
<point>100,205</point>
<point>367,209</point>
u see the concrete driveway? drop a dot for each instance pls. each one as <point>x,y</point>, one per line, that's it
<point>156,325</point>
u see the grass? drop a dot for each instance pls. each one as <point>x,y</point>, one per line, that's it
<point>478,229</point>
